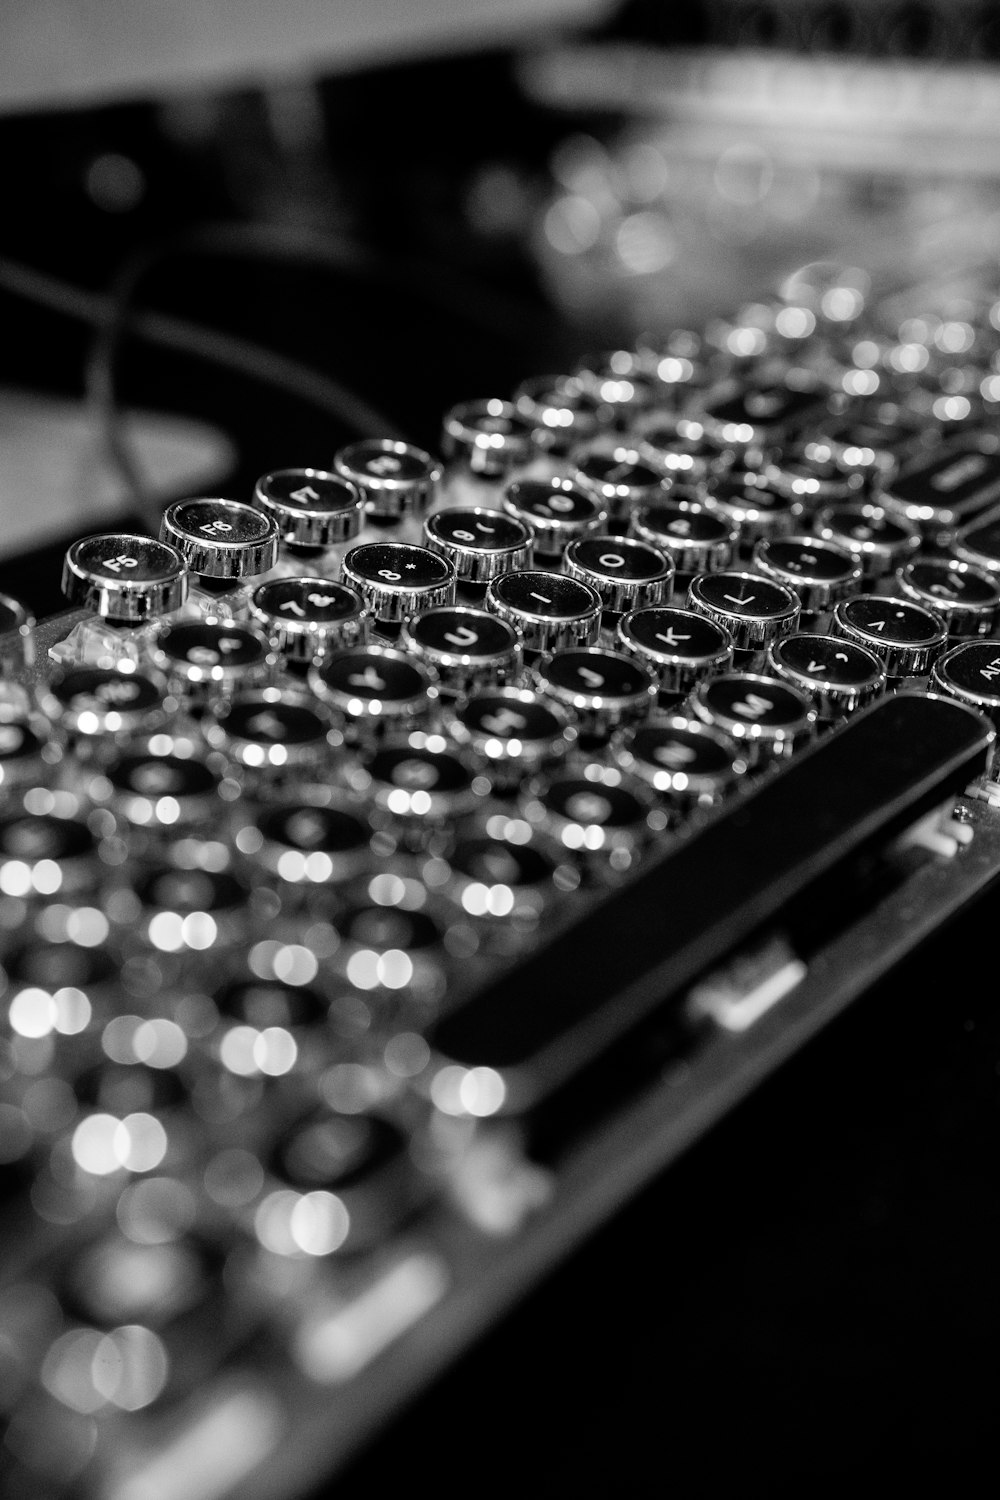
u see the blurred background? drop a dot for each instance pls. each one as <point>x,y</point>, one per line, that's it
<point>235,237</point>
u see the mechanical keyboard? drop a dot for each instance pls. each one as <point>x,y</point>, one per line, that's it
<point>402,865</point>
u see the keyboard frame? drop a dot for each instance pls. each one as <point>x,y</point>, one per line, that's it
<point>492,1273</point>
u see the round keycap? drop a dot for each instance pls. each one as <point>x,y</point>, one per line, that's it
<point>42,854</point>
<point>396,579</point>
<point>626,572</point>
<point>124,577</point>
<point>310,507</point>
<point>695,538</point>
<point>880,543</point>
<point>841,675</point>
<point>310,843</point>
<point>273,730</point>
<point>870,440</point>
<point>621,381</point>
<point>754,509</point>
<point>601,689</point>
<point>679,646</point>
<point>596,812</point>
<point>115,1281</point>
<point>260,1004</point>
<point>807,470</point>
<point>769,718</point>
<point>22,754</point>
<point>512,731</point>
<point>966,598</point>
<point>357,1165</point>
<point>480,544</point>
<point>556,510</point>
<point>128,1088</point>
<point>681,448</point>
<point>754,609</point>
<point>679,365</point>
<point>503,885</point>
<point>385,928</point>
<point>212,656</point>
<point>418,783</point>
<point>197,910</point>
<point>333,1151</point>
<point>395,952</point>
<point>619,476</point>
<point>758,415</point>
<point>221,538</point>
<point>395,479</point>
<point>970,672</point>
<point>304,618</point>
<point>819,572</point>
<point>466,647</point>
<point>374,685</point>
<point>58,963</point>
<point>689,764</point>
<point>490,437</point>
<point>562,407</point>
<point>548,609</point>
<point>98,701</point>
<point>166,786</point>
<point>908,638</point>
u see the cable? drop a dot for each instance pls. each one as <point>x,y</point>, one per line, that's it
<point>113,317</point>
<point>497,314</point>
<point>490,308</point>
<point>238,354</point>
<point>101,396</point>
<point>226,350</point>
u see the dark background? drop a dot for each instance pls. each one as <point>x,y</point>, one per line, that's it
<point>803,1305</point>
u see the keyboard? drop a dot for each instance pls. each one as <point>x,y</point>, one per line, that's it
<point>403,865</point>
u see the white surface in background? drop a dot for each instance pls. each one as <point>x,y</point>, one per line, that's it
<point>55,482</point>
<point>58,53</point>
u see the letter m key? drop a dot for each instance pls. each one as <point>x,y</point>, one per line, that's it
<point>753,706</point>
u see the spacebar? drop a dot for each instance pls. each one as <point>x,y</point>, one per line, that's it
<point>850,793</point>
